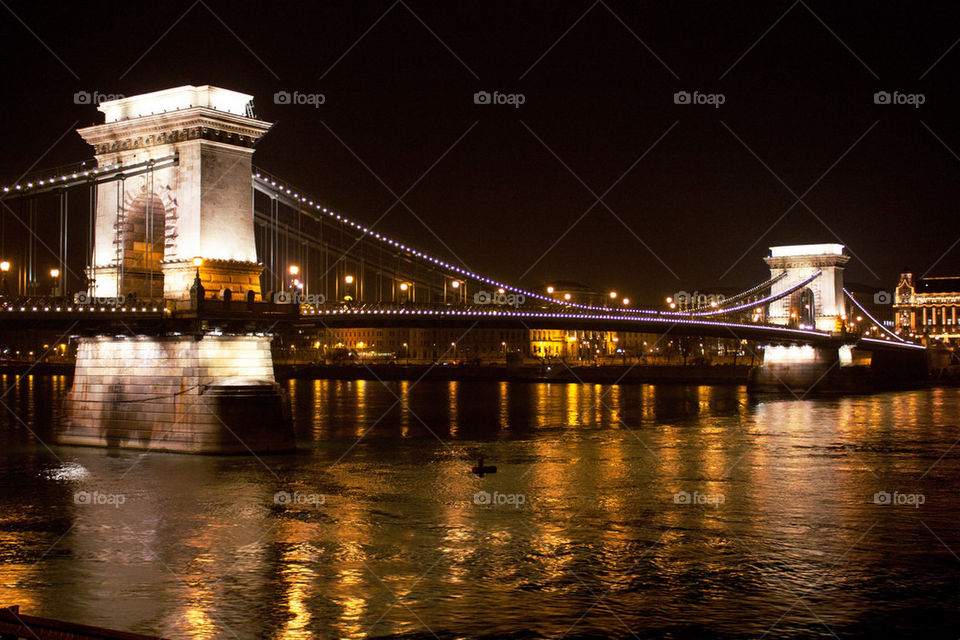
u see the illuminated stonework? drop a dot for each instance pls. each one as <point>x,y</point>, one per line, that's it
<point>818,305</point>
<point>927,306</point>
<point>155,222</point>
<point>177,393</point>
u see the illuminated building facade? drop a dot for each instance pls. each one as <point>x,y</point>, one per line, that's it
<point>493,346</point>
<point>928,306</point>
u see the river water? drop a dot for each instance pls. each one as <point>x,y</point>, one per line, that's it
<point>616,511</point>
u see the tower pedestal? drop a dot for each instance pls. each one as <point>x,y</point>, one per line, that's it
<point>237,276</point>
<point>802,370</point>
<point>215,395</point>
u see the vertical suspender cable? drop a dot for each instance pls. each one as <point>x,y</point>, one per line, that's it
<point>91,278</point>
<point>149,234</point>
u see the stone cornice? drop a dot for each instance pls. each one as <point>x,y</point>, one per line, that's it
<point>172,127</point>
<point>804,262</point>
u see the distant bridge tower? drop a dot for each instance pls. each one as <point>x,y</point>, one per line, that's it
<point>151,226</point>
<point>820,304</point>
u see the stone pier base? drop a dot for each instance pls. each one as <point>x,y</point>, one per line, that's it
<point>801,370</point>
<point>214,395</point>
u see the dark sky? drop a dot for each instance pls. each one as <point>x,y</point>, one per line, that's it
<point>504,188</point>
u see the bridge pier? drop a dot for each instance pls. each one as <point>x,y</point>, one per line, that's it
<point>802,369</point>
<point>836,368</point>
<point>183,224</point>
<point>215,395</point>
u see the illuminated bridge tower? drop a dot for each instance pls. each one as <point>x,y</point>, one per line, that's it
<point>151,226</point>
<point>818,305</point>
<point>184,208</point>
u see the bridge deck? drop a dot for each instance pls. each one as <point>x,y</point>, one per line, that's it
<point>152,318</point>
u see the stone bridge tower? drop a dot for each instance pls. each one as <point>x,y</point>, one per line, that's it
<point>150,227</point>
<point>186,193</point>
<point>818,305</point>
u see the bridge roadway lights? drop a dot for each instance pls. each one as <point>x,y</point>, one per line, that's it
<point>215,394</point>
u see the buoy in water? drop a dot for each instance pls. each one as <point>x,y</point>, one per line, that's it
<point>480,469</point>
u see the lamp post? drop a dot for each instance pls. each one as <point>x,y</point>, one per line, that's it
<point>4,285</point>
<point>455,285</point>
<point>293,270</point>
<point>55,282</point>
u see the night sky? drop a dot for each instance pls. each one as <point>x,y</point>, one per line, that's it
<point>692,195</point>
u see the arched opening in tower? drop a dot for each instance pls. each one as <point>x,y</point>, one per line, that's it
<point>142,238</point>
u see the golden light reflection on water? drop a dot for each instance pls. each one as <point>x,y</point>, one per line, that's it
<point>453,405</point>
<point>347,583</point>
<point>599,504</point>
<point>18,579</point>
<point>298,580</point>
<point>503,396</point>
<point>404,414</point>
<point>360,397</point>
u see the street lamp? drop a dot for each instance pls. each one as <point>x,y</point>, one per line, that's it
<point>550,289</point>
<point>613,295</point>
<point>626,302</point>
<point>4,286</point>
<point>348,283</point>
<point>55,277</point>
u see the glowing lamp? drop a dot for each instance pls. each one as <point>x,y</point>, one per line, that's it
<point>294,269</point>
<point>613,295</point>
<point>455,284</point>
<point>550,289</point>
<point>348,279</point>
<point>54,273</point>
<point>197,261</point>
<point>4,266</point>
<point>404,286</point>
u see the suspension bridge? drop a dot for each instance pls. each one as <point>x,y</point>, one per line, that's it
<point>172,258</point>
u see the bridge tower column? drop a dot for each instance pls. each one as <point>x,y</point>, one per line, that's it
<point>198,392</point>
<point>150,226</point>
<point>820,304</point>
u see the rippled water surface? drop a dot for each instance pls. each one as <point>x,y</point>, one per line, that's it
<point>663,512</point>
